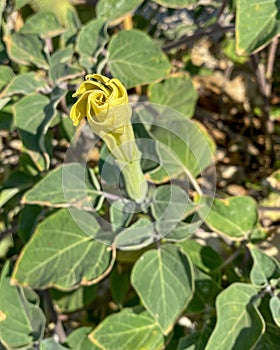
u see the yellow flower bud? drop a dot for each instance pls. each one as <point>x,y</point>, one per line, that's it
<point>104,102</point>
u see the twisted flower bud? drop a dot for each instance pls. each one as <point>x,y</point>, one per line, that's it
<point>104,102</point>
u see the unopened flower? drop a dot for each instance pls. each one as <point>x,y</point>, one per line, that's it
<point>104,102</point>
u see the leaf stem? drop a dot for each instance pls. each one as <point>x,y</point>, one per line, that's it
<point>59,330</point>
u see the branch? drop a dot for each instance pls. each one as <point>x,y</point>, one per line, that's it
<point>59,330</point>
<point>9,231</point>
<point>270,62</point>
<point>264,81</point>
<point>221,11</point>
<point>188,40</point>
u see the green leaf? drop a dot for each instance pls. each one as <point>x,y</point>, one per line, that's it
<point>147,146</point>
<point>257,23</point>
<point>66,185</point>
<point>270,339</point>
<point>26,49</point>
<point>235,217</point>
<point>92,36</point>
<point>66,127</point>
<point>6,243</point>
<point>7,193</point>
<point>119,283</point>
<point>171,205</point>
<point>61,56</point>
<point>121,8</point>
<point>33,115</point>
<point>121,212</point>
<point>51,344</point>
<point>239,323</point>
<point>7,118</point>
<point>90,41</point>
<point>63,71</point>
<point>78,340</point>
<point>72,301</point>
<point>274,305</point>
<point>129,329</point>
<point>61,68</point>
<point>44,24</point>
<point>3,103</point>
<point>137,236</point>
<point>180,233</point>
<point>25,84</point>
<point>206,290</point>
<point>135,59</point>
<point>184,147</point>
<point>6,75</point>
<point>175,92</point>
<point>16,182</point>
<point>22,322</point>
<point>21,3</point>
<point>163,279</point>
<point>203,256</point>
<point>175,3</point>
<point>29,116</point>
<point>27,221</point>
<point>72,24</point>
<point>64,253</point>
<point>264,268</point>
<point>195,341</point>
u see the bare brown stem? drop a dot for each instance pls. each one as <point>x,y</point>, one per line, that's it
<point>188,40</point>
<point>263,77</point>
<point>59,330</point>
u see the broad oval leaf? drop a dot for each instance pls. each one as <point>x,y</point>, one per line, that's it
<point>90,41</point>
<point>78,340</point>
<point>6,75</point>
<point>28,220</point>
<point>33,115</point>
<point>235,217</point>
<point>91,36</point>
<point>51,344</point>
<point>135,59</point>
<point>274,305</point>
<point>264,268</point>
<point>239,322</point>
<point>206,290</point>
<point>25,84</point>
<point>74,300</point>
<point>121,212</point>
<point>61,67</point>
<point>130,329</point>
<point>22,322</point>
<point>195,341</point>
<point>44,24</point>
<point>176,92</point>
<point>29,116</point>
<point>203,256</point>
<point>257,22</point>
<point>184,146</point>
<point>270,339</point>
<point>121,8</point>
<point>163,279</point>
<point>180,233</point>
<point>26,49</point>
<point>69,184</point>
<point>64,253</point>
<point>137,236</point>
<point>171,205</point>
<point>175,3</point>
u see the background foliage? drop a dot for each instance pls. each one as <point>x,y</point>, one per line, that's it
<point>155,284</point>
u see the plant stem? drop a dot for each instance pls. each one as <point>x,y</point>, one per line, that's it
<point>59,330</point>
<point>188,40</point>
